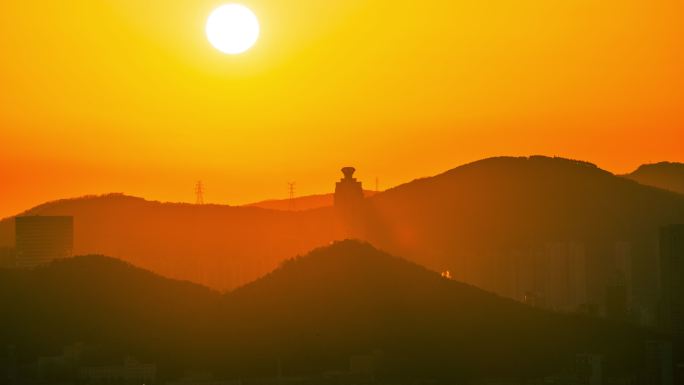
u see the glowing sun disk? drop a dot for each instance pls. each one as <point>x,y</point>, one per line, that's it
<point>232,28</point>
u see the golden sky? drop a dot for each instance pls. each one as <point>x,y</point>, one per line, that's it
<point>129,96</point>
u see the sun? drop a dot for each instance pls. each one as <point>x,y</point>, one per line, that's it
<point>232,28</point>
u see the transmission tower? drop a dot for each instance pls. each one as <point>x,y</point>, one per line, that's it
<point>291,189</point>
<point>199,193</point>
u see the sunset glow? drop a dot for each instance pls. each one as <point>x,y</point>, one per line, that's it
<point>342,192</point>
<point>128,96</point>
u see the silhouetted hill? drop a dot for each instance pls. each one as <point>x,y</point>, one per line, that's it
<point>665,175</point>
<point>311,314</point>
<point>350,298</point>
<point>216,245</point>
<point>105,303</point>
<point>307,202</point>
<point>489,220</point>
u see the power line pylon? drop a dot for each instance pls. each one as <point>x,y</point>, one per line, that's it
<point>291,189</point>
<point>199,193</point>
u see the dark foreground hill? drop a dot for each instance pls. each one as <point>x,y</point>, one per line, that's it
<point>311,315</point>
<point>664,175</point>
<point>104,302</point>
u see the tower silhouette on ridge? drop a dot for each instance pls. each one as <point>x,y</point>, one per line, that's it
<point>199,193</point>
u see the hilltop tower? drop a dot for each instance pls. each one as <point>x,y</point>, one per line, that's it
<point>348,191</point>
<point>349,205</point>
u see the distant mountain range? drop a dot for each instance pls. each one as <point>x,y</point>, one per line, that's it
<point>219,246</point>
<point>482,221</point>
<point>311,314</point>
<point>306,202</point>
<point>665,175</point>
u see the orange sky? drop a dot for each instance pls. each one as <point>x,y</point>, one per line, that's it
<point>128,96</point>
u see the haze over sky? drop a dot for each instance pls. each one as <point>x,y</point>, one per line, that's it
<point>99,96</point>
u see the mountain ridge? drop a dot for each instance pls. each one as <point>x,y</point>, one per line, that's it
<point>664,175</point>
<point>470,220</point>
<point>305,202</point>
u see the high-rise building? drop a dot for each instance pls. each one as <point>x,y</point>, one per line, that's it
<point>6,257</point>
<point>41,239</point>
<point>658,365</point>
<point>552,274</point>
<point>672,278</point>
<point>564,275</point>
<point>589,369</point>
<point>616,306</point>
<point>618,299</point>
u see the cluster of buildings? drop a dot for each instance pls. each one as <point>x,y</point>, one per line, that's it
<point>131,372</point>
<point>640,281</point>
<point>71,367</point>
<point>74,366</point>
